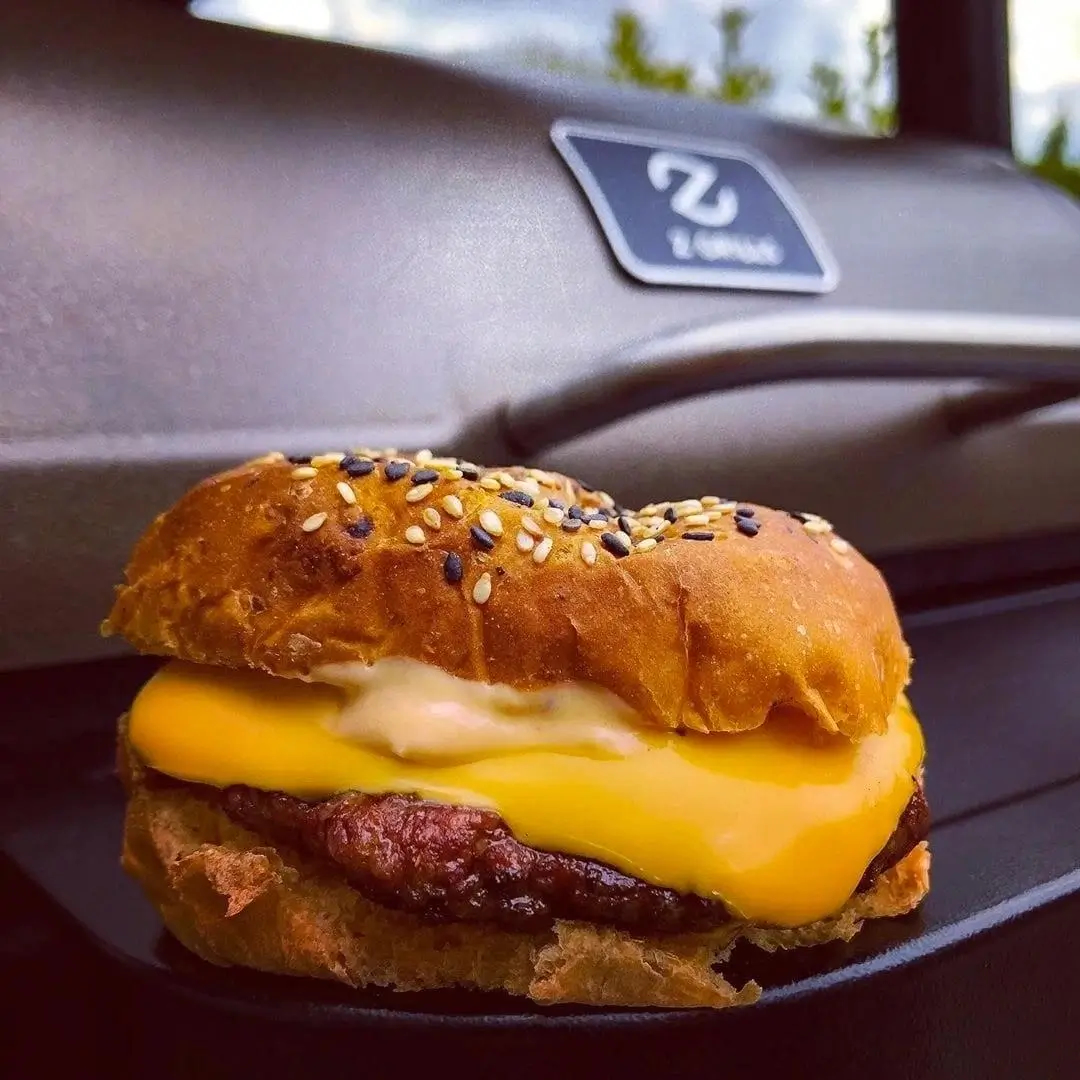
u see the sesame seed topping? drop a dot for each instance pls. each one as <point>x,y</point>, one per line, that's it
<point>709,501</point>
<point>670,515</point>
<point>542,550</point>
<point>817,526</point>
<point>452,505</point>
<point>415,535</point>
<point>305,472</point>
<point>299,459</point>
<point>506,479</point>
<point>529,485</point>
<point>572,524</point>
<point>454,474</point>
<point>481,538</point>
<point>531,525</point>
<point>575,511</point>
<point>588,553</point>
<point>625,525</point>
<point>543,504</point>
<point>721,511</point>
<point>491,522</point>
<point>696,519</point>
<point>606,499</point>
<point>314,522</point>
<point>346,492</point>
<point>432,518</point>
<point>423,457</point>
<point>424,476</point>
<point>840,545</point>
<point>417,494</point>
<point>452,568</point>
<point>617,543</point>
<point>360,529</point>
<point>598,523</point>
<point>395,470</point>
<point>553,515</point>
<point>747,526</point>
<point>489,483</point>
<point>744,512</point>
<point>357,466</point>
<point>646,545</point>
<point>482,589</point>
<point>524,541</point>
<point>697,535</point>
<point>327,459</point>
<point>799,516</point>
<point>441,463</point>
<point>470,472</point>
<point>521,498</point>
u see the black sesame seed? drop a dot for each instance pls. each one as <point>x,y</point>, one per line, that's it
<point>746,526</point>
<point>522,498</point>
<point>361,529</point>
<point>425,476</point>
<point>482,538</point>
<point>575,511</point>
<point>557,503</point>
<point>625,525</point>
<point>572,524</point>
<point>698,535</point>
<point>670,515</point>
<point>395,470</point>
<point>355,466</point>
<point>744,512</point>
<point>798,515</point>
<point>452,568</point>
<point>470,474</point>
<point>299,459</point>
<point>615,544</point>
<point>659,539</point>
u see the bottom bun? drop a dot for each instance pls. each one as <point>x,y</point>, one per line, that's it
<point>233,899</point>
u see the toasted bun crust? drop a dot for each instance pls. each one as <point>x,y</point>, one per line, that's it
<point>709,636</point>
<point>231,899</point>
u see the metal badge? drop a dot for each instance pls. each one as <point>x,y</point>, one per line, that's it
<point>681,211</point>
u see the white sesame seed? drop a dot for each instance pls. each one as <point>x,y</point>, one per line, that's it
<point>314,522</point>
<point>529,485</point>
<point>696,519</point>
<point>423,457</point>
<point>506,480</point>
<point>431,517</point>
<point>415,535</point>
<point>489,483</point>
<point>542,503</point>
<point>421,491</point>
<point>721,511</point>
<point>553,515</point>
<point>621,536</point>
<point>327,459</point>
<point>531,525</point>
<point>646,545</point>
<point>524,541</point>
<point>542,550</point>
<point>840,545</point>
<point>304,472</point>
<point>606,501</point>
<point>663,526</point>
<point>454,474</point>
<point>817,525</point>
<point>647,511</point>
<point>688,506</point>
<point>588,553</point>
<point>598,525</point>
<point>491,521</point>
<point>709,502</point>
<point>346,492</point>
<point>443,463</point>
<point>482,589</point>
<point>452,505</point>
<point>268,459</point>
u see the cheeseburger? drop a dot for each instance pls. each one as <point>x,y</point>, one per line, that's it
<point>424,724</point>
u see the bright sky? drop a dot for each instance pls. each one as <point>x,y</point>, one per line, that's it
<point>788,35</point>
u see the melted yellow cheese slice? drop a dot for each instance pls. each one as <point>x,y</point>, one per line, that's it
<point>779,823</point>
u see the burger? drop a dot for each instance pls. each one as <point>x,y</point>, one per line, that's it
<point>424,724</point>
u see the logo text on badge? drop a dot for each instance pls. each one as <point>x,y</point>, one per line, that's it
<point>695,212</point>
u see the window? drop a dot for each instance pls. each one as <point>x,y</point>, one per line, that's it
<point>1045,61</point>
<point>804,59</point>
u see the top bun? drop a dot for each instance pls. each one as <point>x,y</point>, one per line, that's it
<point>287,564</point>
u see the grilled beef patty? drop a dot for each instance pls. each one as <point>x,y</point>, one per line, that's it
<point>463,863</point>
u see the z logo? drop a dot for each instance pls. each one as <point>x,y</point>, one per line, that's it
<point>687,199</point>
